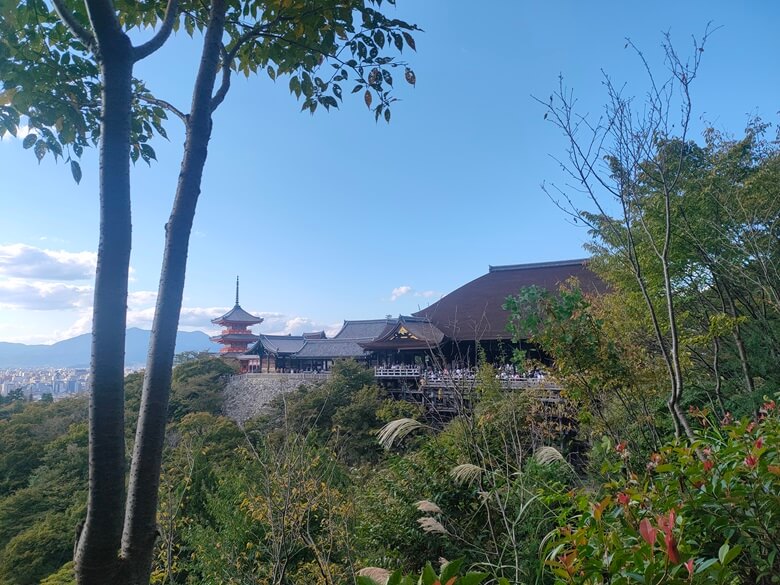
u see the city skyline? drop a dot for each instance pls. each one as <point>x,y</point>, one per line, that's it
<point>335,217</point>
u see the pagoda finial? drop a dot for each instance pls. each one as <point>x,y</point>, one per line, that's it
<point>236,290</point>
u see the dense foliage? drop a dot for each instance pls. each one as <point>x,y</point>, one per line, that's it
<point>708,512</point>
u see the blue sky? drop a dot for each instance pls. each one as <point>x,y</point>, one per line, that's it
<point>335,217</point>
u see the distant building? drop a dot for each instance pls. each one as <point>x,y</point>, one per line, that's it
<point>235,336</point>
<point>312,352</point>
<point>445,334</point>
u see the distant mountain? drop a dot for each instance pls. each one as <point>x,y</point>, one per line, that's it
<point>75,352</point>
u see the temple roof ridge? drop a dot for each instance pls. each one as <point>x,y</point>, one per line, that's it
<point>532,265</point>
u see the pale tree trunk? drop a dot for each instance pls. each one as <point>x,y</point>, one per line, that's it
<point>141,509</point>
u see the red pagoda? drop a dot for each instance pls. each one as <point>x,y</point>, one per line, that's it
<point>235,336</point>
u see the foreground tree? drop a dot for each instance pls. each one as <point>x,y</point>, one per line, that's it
<point>85,47</point>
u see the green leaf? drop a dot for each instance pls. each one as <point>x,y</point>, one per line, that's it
<point>395,578</point>
<point>703,566</point>
<point>732,554</point>
<point>295,86</point>
<point>29,140</point>
<point>271,72</point>
<point>450,570</point>
<point>307,87</point>
<point>40,150</point>
<point>428,576</point>
<point>724,550</point>
<point>147,152</point>
<point>472,579</point>
<point>387,115</point>
<point>75,170</point>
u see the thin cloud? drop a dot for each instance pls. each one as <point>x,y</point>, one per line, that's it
<point>43,296</point>
<point>427,294</point>
<point>280,324</point>
<point>23,261</point>
<point>194,318</point>
<point>400,291</point>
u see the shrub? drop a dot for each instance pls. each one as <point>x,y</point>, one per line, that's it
<point>708,512</point>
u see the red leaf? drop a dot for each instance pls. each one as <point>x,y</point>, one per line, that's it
<point>649,534</point>
<point>671,548</point>
<point>367,98</point>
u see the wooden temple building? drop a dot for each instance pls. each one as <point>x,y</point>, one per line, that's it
<point>445,335</point>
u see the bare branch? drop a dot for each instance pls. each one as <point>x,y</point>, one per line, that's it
<point>150,99</point>
<point>73,25</point>
<point>219,97</point>
<point>158,40</point>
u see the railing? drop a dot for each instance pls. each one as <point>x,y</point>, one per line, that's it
<point>313,376</point>
<point>397,372</point>
<point>509,383</point>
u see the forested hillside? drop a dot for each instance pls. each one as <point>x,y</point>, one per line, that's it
<point>306,493</point>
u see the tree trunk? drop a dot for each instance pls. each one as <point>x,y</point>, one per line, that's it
<point>97,550</point>
<point>738,341</point>
<point>141,510</point>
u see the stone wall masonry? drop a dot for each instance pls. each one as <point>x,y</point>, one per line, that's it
<point>247,394</point>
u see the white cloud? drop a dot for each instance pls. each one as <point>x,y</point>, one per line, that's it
<point>141,298</point>
<point>191,318</point>
<point>82,325</point>
<point>280,324</point>
<point>34,295</point>
<point>23,261</point>
<point>427,294</point>
<point>399,292</point>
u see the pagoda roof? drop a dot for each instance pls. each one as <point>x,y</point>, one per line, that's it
<point>475,310</point>
<point>228,337</point>
<point>408,332</point>
<point>330,349</point>
<point>364,330</point>
<point>237,315</point>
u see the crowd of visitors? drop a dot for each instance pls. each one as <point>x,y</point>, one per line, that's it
<point>505,372</point>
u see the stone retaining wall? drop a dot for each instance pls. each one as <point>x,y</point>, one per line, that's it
<point>247,394</point>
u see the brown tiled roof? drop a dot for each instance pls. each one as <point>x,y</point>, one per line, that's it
<point>237,315</point>
<point>474,311</point>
